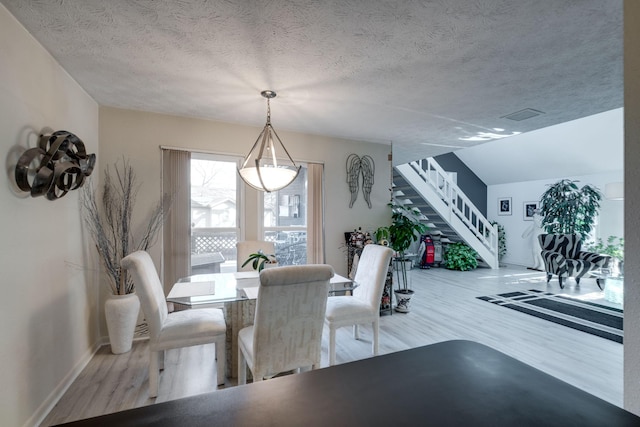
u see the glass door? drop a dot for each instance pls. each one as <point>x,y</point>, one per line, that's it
<point>214,213</point>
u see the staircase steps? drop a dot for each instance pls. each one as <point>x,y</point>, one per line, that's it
<point>426,186</point>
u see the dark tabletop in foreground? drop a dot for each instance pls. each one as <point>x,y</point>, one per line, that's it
<point>453,383</point>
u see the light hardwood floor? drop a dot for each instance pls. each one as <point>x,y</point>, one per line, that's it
<point>444,307</point>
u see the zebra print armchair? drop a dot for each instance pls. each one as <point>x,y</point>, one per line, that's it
<point>562,257</point>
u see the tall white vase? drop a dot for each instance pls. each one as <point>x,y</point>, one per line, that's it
<point>121,312</point>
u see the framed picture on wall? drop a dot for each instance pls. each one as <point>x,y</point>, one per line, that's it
<point>504,206</point>
<point>529,210</point>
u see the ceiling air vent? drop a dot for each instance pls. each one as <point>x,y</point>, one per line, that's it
<point>525,114</point>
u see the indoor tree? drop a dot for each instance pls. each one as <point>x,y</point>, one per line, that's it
<point>568,209</point>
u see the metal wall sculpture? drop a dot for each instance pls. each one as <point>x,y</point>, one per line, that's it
<point>357,166</point>
<point>56,166</point>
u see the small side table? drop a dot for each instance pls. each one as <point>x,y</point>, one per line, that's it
<point>611,283</point>
<point>601,274</point>
<point>614,289</point>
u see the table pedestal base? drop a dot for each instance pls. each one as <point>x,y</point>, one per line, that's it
<point>238,315</point>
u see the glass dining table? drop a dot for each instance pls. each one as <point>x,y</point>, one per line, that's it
<point>217,288</point>
<point>235,294</point>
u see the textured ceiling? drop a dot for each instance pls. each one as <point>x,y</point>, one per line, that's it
<point>420,74</point>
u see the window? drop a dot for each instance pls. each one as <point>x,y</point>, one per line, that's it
<point>214,213</point>
<point>285,220</point>
<point>209,214</point>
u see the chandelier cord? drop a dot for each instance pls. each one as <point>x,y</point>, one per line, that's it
<point>268,112</point>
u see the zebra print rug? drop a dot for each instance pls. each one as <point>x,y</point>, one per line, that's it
<point>585,316</point>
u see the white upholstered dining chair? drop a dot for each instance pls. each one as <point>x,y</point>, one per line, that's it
<point>363,307</point>
<point>172,330</point>
<point>287,330</point>
<point>248,247</point>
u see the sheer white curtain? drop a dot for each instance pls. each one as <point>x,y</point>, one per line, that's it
<point>315,213</point>
<point>176,249</point>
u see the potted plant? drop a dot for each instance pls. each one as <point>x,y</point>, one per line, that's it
<point>614,248</point>
<point>567,209</point>
<point>260,260</point>
<point>459,256</point>
<point>108,220</point>
<point>405,229</point>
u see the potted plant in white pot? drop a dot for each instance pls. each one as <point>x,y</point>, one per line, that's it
<point>405,229</point>
<point>260,260</point>
<point>108,220</point>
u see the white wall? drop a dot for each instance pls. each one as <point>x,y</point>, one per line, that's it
<point>138,136</point>
<point>610,222</point>
<point>48,313</point>
<point>584,146</point>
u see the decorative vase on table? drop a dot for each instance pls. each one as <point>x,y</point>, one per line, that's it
<point>121,312</point>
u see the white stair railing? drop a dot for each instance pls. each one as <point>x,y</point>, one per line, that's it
<point>428,178</point>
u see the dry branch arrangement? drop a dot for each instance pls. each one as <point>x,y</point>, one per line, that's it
<point>109,222</point>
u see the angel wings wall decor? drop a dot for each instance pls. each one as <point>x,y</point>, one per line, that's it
<point>357,166</point>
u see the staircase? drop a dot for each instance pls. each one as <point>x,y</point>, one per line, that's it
<point>425,185</point>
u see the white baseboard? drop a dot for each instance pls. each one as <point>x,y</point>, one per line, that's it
<point>53,398</point>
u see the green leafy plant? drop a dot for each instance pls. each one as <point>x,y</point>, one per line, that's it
<point>614,247</point>
<point>459,256</point>
<point>259,260</point>
<point>405,229</point>
<point>567,209</point>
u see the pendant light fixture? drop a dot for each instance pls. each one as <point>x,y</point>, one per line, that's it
<point>262,169</point>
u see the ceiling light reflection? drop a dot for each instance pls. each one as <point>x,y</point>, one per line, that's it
<point>487,136</point>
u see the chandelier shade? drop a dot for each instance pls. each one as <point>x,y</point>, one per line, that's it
<point>268,166</point>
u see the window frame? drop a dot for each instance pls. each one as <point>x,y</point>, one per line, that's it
<point>263,230</point>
